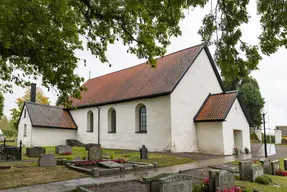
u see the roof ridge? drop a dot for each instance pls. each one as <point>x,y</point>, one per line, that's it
<point>202,44</point>
<point>44,105</point>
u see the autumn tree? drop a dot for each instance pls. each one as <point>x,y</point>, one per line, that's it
<point>39,37</point>
<point>16,112</point>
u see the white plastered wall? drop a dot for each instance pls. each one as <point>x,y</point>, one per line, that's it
<point>157,137</point>
<point>235,120</point>
<point>26,141</point>
<point>210,137</point>
<point>187,98</point>
<point>51,136</point>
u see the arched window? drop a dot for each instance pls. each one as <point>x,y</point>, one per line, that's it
<point>90,121</point>
<point>142,119</point>
<point>112,121</point>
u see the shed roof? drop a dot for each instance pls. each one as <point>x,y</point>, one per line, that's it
<point>49,116</point>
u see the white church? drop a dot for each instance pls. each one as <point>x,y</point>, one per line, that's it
<point>179,106</point>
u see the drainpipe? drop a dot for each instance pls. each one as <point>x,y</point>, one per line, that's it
<point>99,123</point>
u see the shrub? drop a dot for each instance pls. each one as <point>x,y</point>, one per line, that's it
<point>262,180</point>
<point>70,158</point>
<point>267,177</point>
<point>112,155</point>
<point>248,190</point>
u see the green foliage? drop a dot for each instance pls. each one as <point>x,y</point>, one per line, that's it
<point>262,180</point>
<point>253,136</point>
<point>112,155</point>
<point>16,112</point>
<point>39,37</point>
<point>199,188</point>
<point>69,158</point>
<point>269,138</point>
<point>269,178</point>
<point>1,104</point>
<point>248,190</point>
<point>252,100</point>
<point>7,128</point>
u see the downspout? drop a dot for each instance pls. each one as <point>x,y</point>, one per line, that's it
<point>99,123</point>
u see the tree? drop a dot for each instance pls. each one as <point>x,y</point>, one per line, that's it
<point>39,37</point>
<point>16,112</point>
<point>249,93</point>
<point>7,128</point>
<point>1,104</point>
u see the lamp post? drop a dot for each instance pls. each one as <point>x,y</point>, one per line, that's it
<point>265,145</point>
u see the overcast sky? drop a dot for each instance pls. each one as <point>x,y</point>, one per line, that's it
<point>271,74</point>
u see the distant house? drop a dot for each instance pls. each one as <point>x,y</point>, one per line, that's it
<point>179,106</point>
<point>284,131</point>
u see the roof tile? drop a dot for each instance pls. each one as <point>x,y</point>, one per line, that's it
<point>139,81</point>
<point>216,107</point>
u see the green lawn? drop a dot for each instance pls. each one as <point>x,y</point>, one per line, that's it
<point>281,183</point>
<point>163,160</point>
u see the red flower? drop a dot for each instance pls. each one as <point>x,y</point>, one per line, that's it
<point>206,181</point>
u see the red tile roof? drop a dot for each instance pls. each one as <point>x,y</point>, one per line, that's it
<point>49,116</point>
<point>140,81</point>
<point>216,107</point>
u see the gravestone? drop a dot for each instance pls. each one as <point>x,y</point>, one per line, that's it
<point>224,180</point>
<point>47,160</point>
<point>94,153</point>
<point>36,151</point>
<point>257,171</point>
<point>91,145</point>
<point>275,166</point>
<point>110,164</point>
<point>176,183</point>
<point>61,149</point>
<point>266,165</point>
<point>245,170</point>
<point>285,164</point>
<point>212,179</point>
<point>143,152</point>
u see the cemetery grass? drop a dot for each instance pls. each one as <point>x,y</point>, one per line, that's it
<point>277,180</point>
<point>31,174</point>
<point>163,160</point>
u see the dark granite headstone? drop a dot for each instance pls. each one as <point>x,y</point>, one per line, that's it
<point>245,170</point>
<point>176,183</point>
<point>285,164</point>
<point>35,151</point>
<point>144,152</point>
<point>47,160</point>
<point>212,179</point>
<point>90,145</point>
<point>61,149</point>
<point>224,180</point>
<point>95,153</point>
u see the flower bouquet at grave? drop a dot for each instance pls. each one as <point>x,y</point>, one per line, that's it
<point>94,162</point>
<point>67,153</point>
<point>234,189</point>
<point>236,150</point>
<point>281,173</point>
<point>256,162</point>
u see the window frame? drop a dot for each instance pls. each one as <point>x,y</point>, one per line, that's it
<point>90,122</point>
<point>25,130</point>
<point>142,125</point>
<point>25,113</point>
<point>113,122</point>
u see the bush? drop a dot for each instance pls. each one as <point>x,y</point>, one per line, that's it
<point>267,177</point>
<point>248,190</point>
<point>112,156</point>
<point>262,180</point>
